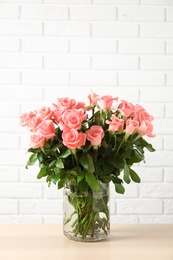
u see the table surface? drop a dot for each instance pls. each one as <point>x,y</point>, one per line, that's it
<point>47,242</point>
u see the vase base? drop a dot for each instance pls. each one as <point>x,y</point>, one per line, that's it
<point>78,238</point>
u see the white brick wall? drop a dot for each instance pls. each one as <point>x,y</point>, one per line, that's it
<point>53,48</point>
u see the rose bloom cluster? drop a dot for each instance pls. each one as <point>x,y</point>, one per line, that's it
<point>71,118</point>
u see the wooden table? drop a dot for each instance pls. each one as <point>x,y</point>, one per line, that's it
<point>47,242</point>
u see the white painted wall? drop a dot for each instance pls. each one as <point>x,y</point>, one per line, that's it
<point>59,48</point>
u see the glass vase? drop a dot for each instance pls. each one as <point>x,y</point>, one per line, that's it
<point>86,214</point>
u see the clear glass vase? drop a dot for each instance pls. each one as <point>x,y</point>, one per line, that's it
<point>86,214</point>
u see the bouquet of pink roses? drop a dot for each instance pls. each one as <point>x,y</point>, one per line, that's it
<point>78,144</point>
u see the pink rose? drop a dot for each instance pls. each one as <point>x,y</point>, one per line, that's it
<point>73,119</point>
<point>46,129</point>
<point>66,103</point>
<point>31,120</point>
<point>45,113</point>
<point>72,139</point>
<point>95,134</point>
<point>37,141</point>
<point>105,102</point>
<point>57,112</point>
<point>116,124</point>
<point>146,128</point>
<point>131,126</point>
<point>93,98</point>
<point>142,115</point>
<point>127,109</point>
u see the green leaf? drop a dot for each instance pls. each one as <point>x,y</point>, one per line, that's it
<point>80,176</point>
<point>65,154</point>
<point>134,176</point>
<point>32,160</point>
<point>52,163</point>
<point>83,185</point>
<point>61,183</point>
<point>59,164</point>
<point>150,148</point>
<point>92,181</point>
<point>126,173</point>
<point>87,162</point>
<point>138,155</point>
<point>117,162</point>
<point>119,188</point>
<point>42,173</point>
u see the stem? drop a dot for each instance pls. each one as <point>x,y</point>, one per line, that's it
<point>120,145</point>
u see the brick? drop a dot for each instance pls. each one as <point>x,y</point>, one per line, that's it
<point>45,77</point>
<point>159,158</point>
<point>39,207</point>
<point>8,174</point>
<point>22,1</point>
<point>169,46</point>
<point>92,13</point>
<point>169,13</point>
<point>123,219</point>
<point>139,206</point>
<point>141,13</point>
<point>90,78</point>
<point>161,190</point>
<point>40,45</point>
<point>68,1</point>
<point>169,79</point>
<point>11,109</point>
<point>157,2</point>
<point>44,12</point>
<point>30,175</point>
<point>168,176</point>
<point>118,2</point>
<point>157,63</point>
<point>20,190</point>
<point>52,192</point>
<point>156,30</point>
<point>9,77</point>
<point>93,45</point>
<point>141,79</point>
<point>16,157</point>
<point>168,206</point>
<point>168,146</point>
<point>67,29</point>
<point>168,110</point>
<point>8,206</point>
<point>131,191</point>
<point>15,219</point>
<point>18,93</point>
<point>115,62</point>
<point>66,62</point>
<point>20,28</point>
<point>161,126</point>
<point>157,95</point>
<point>160,219</point>
<point>23,61</point>
<point>84,90</point>
<point>115,30</point>
<point>141,46</point>
<point>12,143</point>
<point>53,219</point>
<point>9,12</point>
<point>10,44</point>
<point>149,174</point>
